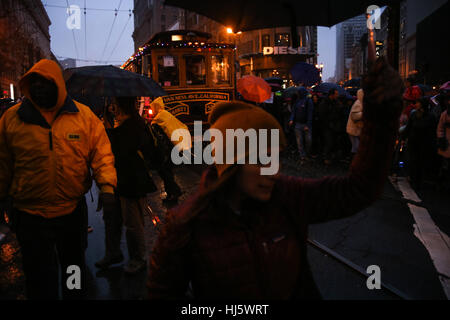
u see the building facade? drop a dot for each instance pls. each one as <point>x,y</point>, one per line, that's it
<point>269,53</point>
<point>432,52</point>
<point>412,12</point>
<point>264,53</point>
<point>68,63</point>
<point>358,64</point>
<point>348,34</point>
<point>24,40</point>
<point>152,16</point>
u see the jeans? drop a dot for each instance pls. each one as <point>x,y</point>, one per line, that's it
<point>303,139</point>
<point>133,218</point>
<point>355,143</point>
<point>49,247</point>
<point>113,231</point>
<point>330,143</point>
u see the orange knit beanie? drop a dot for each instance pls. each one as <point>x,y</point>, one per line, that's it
<point>240,115</point>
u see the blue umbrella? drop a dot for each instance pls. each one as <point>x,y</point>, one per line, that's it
<point>306,73</point>
<point>325,87</point>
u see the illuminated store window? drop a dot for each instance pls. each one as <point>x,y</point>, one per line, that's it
<point>282,40</point>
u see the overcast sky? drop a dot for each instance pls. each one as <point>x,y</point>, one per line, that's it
<point>326,38</point>
<point>96,29</point>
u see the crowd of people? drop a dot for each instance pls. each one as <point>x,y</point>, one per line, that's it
<point>241,234</point>
<point>318,126</point>
<point>328,127</point>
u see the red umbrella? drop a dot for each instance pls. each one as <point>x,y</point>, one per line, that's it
<point>254,89</point>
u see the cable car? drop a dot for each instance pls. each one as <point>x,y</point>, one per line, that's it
<point>195,72</point>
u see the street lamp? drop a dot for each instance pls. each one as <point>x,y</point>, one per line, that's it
<point>236,63</point>
<point>320,68</point>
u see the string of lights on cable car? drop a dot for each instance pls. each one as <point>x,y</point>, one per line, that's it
<point>198,45</point>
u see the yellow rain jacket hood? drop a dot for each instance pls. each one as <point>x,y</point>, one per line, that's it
<point>169,123</point>
<point>46,168</point>
<point>51,71</point>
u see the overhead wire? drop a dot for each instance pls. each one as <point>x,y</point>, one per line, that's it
<point>88,9</point>
<point>110,30</point>
<point>90,60</point>
<point>85,31</point>
<point>120,36</point>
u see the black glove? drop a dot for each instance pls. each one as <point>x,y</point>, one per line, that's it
<point>107,201</point>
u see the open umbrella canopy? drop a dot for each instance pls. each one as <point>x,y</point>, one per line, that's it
<point>274,82</point>
<point>289,92</point>
<point>109,81</point>
<point>256,14</point>
<point>305,73</point>
<point>254,89</point>
<point>325,87</point>
<point>355,83</point>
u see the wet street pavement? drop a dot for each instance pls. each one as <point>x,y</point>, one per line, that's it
<point>384,234</point>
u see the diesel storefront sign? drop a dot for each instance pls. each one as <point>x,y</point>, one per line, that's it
<point>286,50</point>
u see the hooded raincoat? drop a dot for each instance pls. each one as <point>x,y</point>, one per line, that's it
<point>355,123</point>
<point>44,167</point>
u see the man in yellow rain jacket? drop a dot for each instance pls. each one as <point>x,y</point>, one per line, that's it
<point>161,127</point>
<point>49,144</point>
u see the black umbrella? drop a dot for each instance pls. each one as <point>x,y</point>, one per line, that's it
<point>325,87</point>
<point>256,14</point>
<point>274,82</point>
<point>355,82</point>
<point>109,81</point>
<point>288,93</point>
<point>305,73</point>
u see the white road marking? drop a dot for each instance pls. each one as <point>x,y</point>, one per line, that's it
<point>432,238</point>
<point>435,241</point>
<point>406,190</point>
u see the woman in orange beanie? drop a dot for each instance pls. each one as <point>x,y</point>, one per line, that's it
<point>243,234</point>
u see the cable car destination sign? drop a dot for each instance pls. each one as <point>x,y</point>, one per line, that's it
<point>180,103</point>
